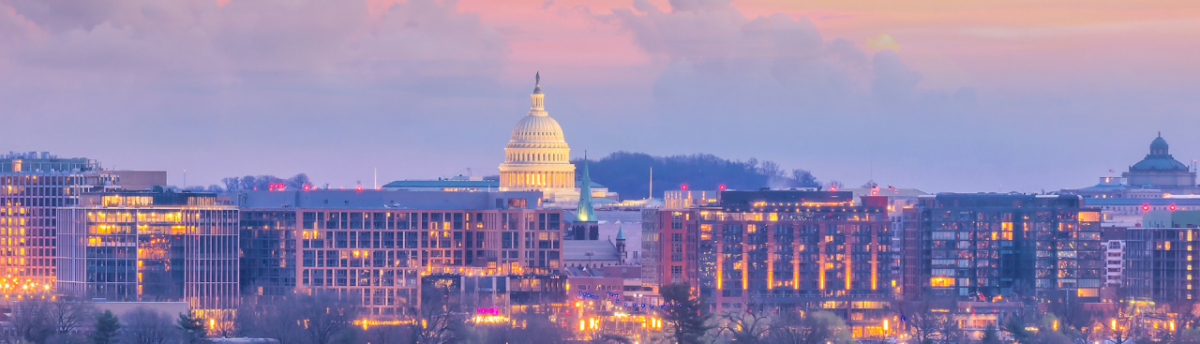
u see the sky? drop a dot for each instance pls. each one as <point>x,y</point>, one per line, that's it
<point>942,96</point>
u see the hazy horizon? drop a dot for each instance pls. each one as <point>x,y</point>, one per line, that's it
<point>1020,96</point>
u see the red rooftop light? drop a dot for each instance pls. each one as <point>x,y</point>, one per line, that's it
<point>683,187</point>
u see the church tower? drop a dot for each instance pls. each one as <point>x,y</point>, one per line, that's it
<point>585,226</point>
<point>622,255</point>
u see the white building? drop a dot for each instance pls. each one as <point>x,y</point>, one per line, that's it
<point>537,157</point>
<point>1114,262</point>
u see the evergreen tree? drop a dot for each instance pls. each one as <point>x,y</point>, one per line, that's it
<point>107,326</point>
<point>192,328</point>
<point>687,315</point>
<point>991,335</point>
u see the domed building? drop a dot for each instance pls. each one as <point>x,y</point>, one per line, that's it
<point>537,156</point>
<point>1160,170</point>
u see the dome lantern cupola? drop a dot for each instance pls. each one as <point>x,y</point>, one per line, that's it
<point>538,107</point>
<point>1159,146</point>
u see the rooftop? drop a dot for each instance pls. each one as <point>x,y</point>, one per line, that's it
<point>443,183</point>
<point>374,199</point>
<point>589,250</point>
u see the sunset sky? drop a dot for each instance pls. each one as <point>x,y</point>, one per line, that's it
<point>936,95</point>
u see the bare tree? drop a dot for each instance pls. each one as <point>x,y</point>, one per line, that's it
<point>224,324</point>
<point>68,316</point>
<point>248,183</point>
<point>145,326</point>
<point>804,178</point>
<point>771,170</point>
<point>536,328</point>
<point>948,329</point>
<point>299,182</point>
<point>743,327</point>
<point>232,184</point>
<point>38,320</point>
<point>812,328</point>
<point>923,325</point>
<point>324,316</point>
<point>316,319</point>
<point>270,320</point>
<point>30,320</point>
<point>437,322</point>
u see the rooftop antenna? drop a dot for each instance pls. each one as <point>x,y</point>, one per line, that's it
<point>651,184</point>
<point>376,178</point>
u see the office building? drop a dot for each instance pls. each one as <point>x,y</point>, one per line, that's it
<point>683,199</point>
<point>32,186</point>
<point>987,247</point>
<point>457,184</point>
<point>150,247</point>
<point>650,245</point>
<point>1159,257</point>
<point>1160,263</point>
<point>378,246</point>
<point>1114,263</point>
<point>784,250</point>
<point>898,199</point>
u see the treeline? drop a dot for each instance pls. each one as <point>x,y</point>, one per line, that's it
<point>251,183</point>
<point>326,319</point>
<point>628,173</point>
<point>61,321</point>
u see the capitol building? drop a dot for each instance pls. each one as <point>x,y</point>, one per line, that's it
<point>537,157</point>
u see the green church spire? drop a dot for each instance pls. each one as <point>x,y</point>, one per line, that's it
<point>585,212</point>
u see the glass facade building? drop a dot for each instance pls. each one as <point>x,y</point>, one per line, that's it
<point>1160,264</point>
<point>784,250</point>
<point>150,246</point>
<point>986,247</point>
<point>32,188</point>
<point>360,246</point>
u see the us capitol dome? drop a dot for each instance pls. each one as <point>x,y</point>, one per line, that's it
<point>537,157</point>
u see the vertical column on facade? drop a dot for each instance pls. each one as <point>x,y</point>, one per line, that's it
<point>848,253</point>
<point>821,250</point>
<point>770,257</point>
<point>796,245</point>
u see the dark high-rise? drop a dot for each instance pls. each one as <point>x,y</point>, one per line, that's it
<point>1159,263</point>
<point>976,247</point>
